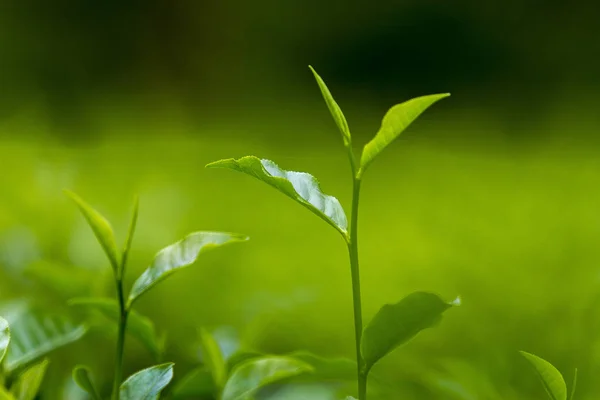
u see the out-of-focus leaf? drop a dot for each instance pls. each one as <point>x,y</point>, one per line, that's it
<point>213,359</point>
<point>65,281</point>
<point>179,255</point>
<point>138,326</point>
<point>248,377</point>
<point>83,377</point>
<point>334,109</point>
<point>33,336</point>
<point>101,228</point>
<point>327,369</point>
<point>5,394</point>
<point>299,186</point>
<point>198,383</point>
<point>4,338</point>
<point>28,383</point>
<point>395,121</point>
<point>147,383</point>
<point>553,381</point>
<point>240,357</point>
<point>395,324</point>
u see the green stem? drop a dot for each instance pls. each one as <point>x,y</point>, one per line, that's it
<point>123,313</point>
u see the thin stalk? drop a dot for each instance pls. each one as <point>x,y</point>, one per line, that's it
<point>123,313</point>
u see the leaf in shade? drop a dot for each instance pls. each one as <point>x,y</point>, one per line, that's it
<point>83,378</point>
<point>138,326</point>
<point>299,186</point>
<point>147,383</point>
<point>101,228</point>
<point>198,383</point>
<point>334,109</point>
<point>395,324</point>
<point>28,383</point>
<point>213,358</point>
<point>250,376</point>
<point>179,255</point>
<point>553,381</point>
<point>4,338</point>
<point>327,369</point>
<point>395,121</point>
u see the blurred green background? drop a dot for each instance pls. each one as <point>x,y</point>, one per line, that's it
<point>491,195</point>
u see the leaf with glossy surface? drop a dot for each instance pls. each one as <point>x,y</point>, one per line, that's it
<point>395,121</point>
<point>553,381</point>
<point>28,383</point>
<point>300,186</point>
<point>138,326</point>
<point>213,358</point>
<point>179,255</point>
<point>334,109</point>
<point>250,376</point>
<point>101,228</point>
<point>147,383</point>
<point>4,338</point>
<point>395,324</point>
<point>83,378</point>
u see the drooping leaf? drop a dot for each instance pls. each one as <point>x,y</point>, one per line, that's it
<point>83,378</point>
<point>138,326</point>
<point>395,121</point>
<point>213,358</point>
<point>28,383</point>
<point>179,255</point>
<point>101,228</point>
<point>327,369</point>
<point>248,377</point>
<point>553,381</point>
<point>4,338</point>
<point>334,109</point>
<point>198,383</point>
<point>130,233</point>
<point>299,186</point>
<point>34,336</point>
<point>147,383</point>
<point>395,324</point>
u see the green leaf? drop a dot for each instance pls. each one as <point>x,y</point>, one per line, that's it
<point>83,378</point>
<point>5,394</point>
<point>395,121</point>
<point>334,109</point>
<point>551,379</point>
<point>138,326</point>
<point>248,377</point>
<point>28,383</point>
<point>131,231</point>
<point>4,338</point>
<point>147,383</point>
<point>179,255</point>
<point>395,324</point>
<point>327,369</point>
<point>33,336</point>
<point>299,186</point>
<point>101,228</point>
<point>213,358</point>
<point>198,383</point>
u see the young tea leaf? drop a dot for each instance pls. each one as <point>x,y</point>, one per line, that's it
<point>334,109</point>
<point>130,232</point>
<point>553,381</point>
<point>4,338</point>
<point>179,255</point>
<point>250,376</point>
<point>213,358</point>
<point>138,326</point>
<point>395,324</point>
<point>101,228</point>
<point>299,186</point>
<point>147,383</point>
<point>28,383</point>
<point>83,378</point>
<point>395,121</point>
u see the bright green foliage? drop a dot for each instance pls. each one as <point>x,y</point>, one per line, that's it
<point>213,358</point>
<point>395,324</point>
<point>28,383</point>
<point>395,121</point>
<point>551,378</point>
<point>4,338</point>
<point>248,377</point>
<point>299,186</point>
<point>83,378</point>
<point>101,228</point>
<point>177,256</point>
<point>139,326</point>
<point>147,383</point>
<point>130,232</point>
<point>334,109</point>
